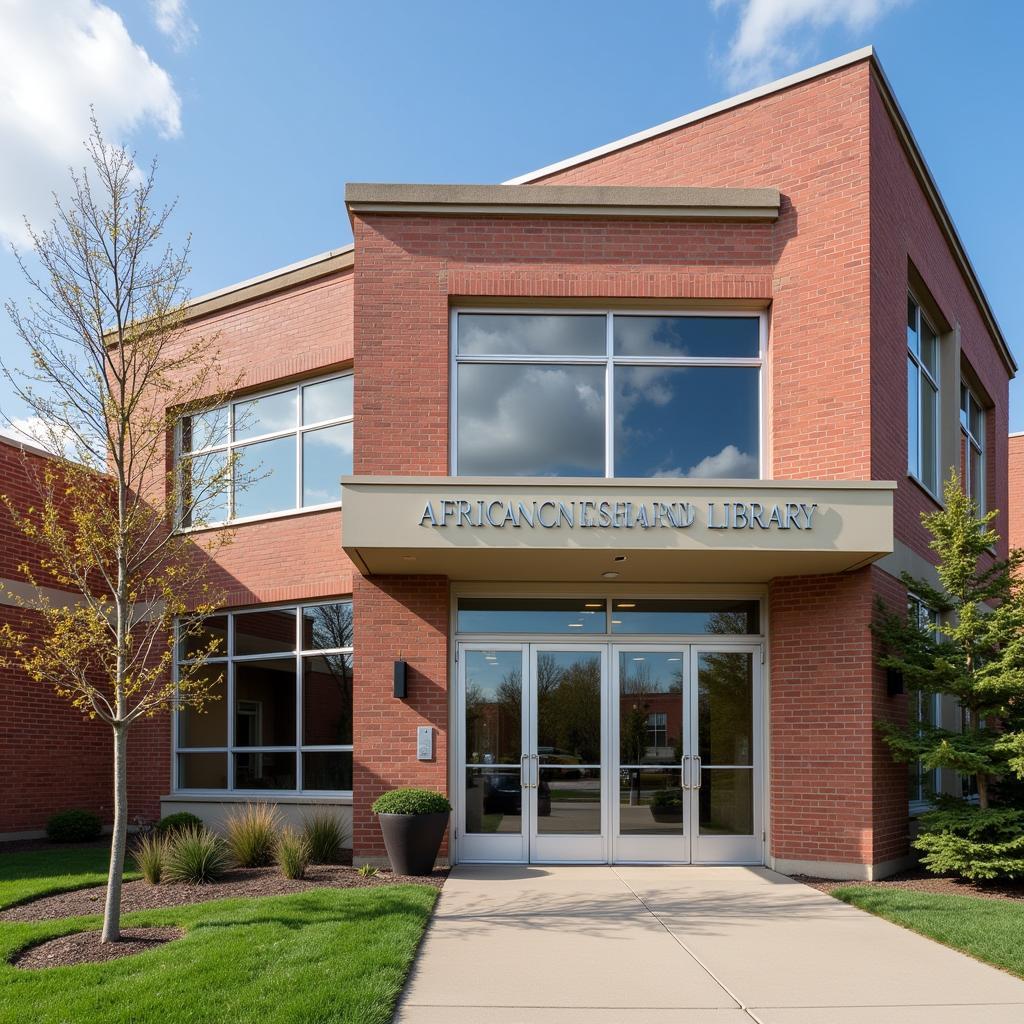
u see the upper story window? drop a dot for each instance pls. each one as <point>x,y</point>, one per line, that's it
<point>291,446</point>
<point>607,394</point>
<point>922,398</point>
<point>972,428</point>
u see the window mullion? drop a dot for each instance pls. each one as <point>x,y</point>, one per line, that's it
<point>609,396</point>
<point>229,678</point>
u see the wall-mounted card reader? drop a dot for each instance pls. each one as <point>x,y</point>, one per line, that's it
<point>425,743</point>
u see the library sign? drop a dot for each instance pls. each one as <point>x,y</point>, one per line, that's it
<point>607,514</point>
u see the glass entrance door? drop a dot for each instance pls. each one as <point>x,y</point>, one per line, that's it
<point>534,736</point>
<point>644,752</point>
<point>688,754</point>
<point>568,740</point>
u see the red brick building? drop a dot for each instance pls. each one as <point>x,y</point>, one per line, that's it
<point>630,446</point>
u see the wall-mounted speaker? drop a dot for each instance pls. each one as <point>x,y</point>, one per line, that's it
<point>400,683</point>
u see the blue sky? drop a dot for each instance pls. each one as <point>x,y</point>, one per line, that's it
<point>260,112</point>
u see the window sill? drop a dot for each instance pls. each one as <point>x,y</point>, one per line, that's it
<point>213,796</point>
<point>230,524</point>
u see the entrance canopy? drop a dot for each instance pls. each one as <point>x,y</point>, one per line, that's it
<point>642,530</point>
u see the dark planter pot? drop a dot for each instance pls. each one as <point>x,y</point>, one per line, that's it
<point>412,840</point>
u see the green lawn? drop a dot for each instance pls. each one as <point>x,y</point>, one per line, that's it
<point>326,956</point>
<point>990,930</point>
<point>32,873</point>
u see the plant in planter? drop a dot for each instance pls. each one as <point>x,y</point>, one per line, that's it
<point>413,823</point>
<point>667,805</point>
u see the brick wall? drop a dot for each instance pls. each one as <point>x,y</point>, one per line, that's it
<point>835,793</point>
<point>53,757</point>
<point>811,142</point>
<point>905,232</point>
<point>397,618</point>
<point>1015,491</point>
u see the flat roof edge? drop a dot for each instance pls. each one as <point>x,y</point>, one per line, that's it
<point>616,483</point>
<point>330,262</point>
<point>564,200</point>
<point>697,115</point>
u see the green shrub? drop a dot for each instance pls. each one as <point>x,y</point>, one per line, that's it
<point>325,835</point>
<point>174,822</point>
<point>974,843</point>
<point>411,801</point>
<point>667,799</point>
<point>149,855</point>
<point>251,834</point>
<point>367,870</point>
<point>74,827</point>
<point>292,853</point>
<point>195,855</point>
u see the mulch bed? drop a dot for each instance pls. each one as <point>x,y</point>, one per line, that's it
<point>140,895</point>
<point>86,948</point>
<point>921,881</point>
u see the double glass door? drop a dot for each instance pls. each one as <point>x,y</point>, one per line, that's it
<point>609,753</point>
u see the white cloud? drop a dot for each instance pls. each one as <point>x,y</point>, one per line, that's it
<point>729,464</point>
<point>776,36</point>
<point>172,18</point>
<point>57,58</point>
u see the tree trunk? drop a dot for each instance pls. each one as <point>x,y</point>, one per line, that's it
<point>118,840</point>
<point>982,790</point>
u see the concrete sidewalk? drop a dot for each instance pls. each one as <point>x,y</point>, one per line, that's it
<point>685,945</point>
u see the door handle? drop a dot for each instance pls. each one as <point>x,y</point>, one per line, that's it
<point>696,758</point>
<point>685,764</point>
<point>536,770</point>
<point>524,776</point>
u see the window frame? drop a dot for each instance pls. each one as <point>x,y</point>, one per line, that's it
<point>973,445</point>
<point>229,659</point>
<point>609,360</point>
<point>658,728</point>
<point>934,382</point>
<point>299,430</point>
<point>918,801</point>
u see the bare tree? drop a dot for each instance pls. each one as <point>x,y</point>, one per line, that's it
<point>114,374</point>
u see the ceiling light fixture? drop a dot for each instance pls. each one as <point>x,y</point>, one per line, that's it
<point>610,575</point>
<point>624,604</point>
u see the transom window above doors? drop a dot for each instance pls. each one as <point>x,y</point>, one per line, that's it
<point>603,394</point>
<point>590,616</point>
<point>290,448</point>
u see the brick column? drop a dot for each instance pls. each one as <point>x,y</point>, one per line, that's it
<point>397,617</point>
<point>836,797</point>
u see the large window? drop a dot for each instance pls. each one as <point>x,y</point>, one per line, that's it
<point>972,429</point>
<point>290,446</point>
<point>922,398</point>
<point>923,782</point>
<point>282,720</point>
<point>607,394</point>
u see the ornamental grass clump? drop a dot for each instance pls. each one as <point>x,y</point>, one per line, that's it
<point>149,855</point>
<point>292,853</point>
<point>195,855</point>
<point>325,835</point>
<point>410,800</point>
<point>252,834</point>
